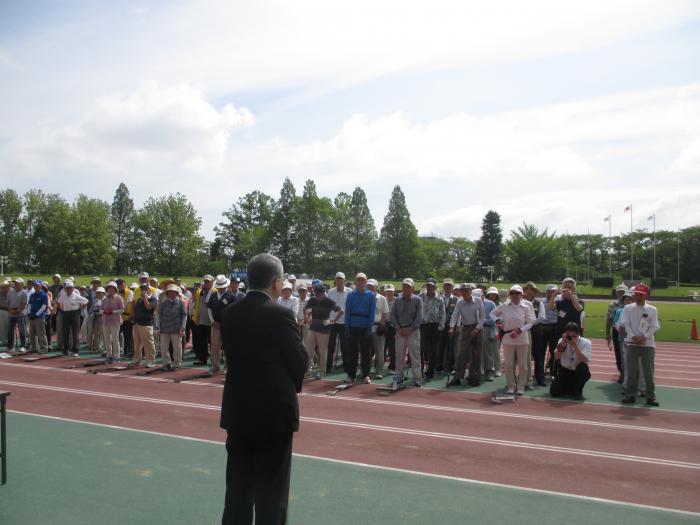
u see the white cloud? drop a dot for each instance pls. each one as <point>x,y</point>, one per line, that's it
<point>153,129</point>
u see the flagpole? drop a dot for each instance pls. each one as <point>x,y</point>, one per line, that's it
<point>608,219</point>
<point>653,241</point>
<point>678,279</point>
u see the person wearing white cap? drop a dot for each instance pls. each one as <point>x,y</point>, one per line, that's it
<point>537,350</point>
<point>360,308</point>
<point>4,311</point>
<point>469,314</point>
<point>17,308</point>
<point>93,320</point>
<point>381,316</point>
<point>406,317</point>
<point>56,322</point>
<point>517,318</point>
<point>112,309</point>
<point>339,295</point>
<point>292,279</point>
<point>286,298</point>
<point>142,317</point>
<point>218,300</point>
<point>303,292</point>
<point>611,334</point>
<point>389,293</point>
<point>71,303</point>
<point>171,317</point>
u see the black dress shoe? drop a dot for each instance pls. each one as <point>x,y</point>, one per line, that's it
<point>652,402</point>
<point>629,400</point>
<point>579,397</point>
<point>454,382</point>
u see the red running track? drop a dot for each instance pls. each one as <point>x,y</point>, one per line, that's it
<point>627,454</point>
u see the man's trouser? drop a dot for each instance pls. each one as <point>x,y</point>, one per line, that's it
<point>408,344</point>
<point>71,330</point>
<point>201,334</point>
<point>378,342</point>
<point>337,333</point>
<point>634,355</point>
<point>125,334</point>
<point>469,351</point>
<point>539,350</point>
<point>317,341</point>
<point>491,353</point>
<point>4,327</point>
<point>110,333</point>
<point>570,382</point>
<point>304,333</point>
<point>57,321</point>
<point>359,344</point>
<point>165,341</point>
<point>446,351</point>
<point>512,354</point>
<point>549,343</point>
<point>95,337</point>
<point>615,335</point>
<point>429,340</point>
<point>19,322</point>
<point>390,345</point>
<point>143,337</point>
<point>216,345</point>
<point>37,339</point>
<point>641,383</point>
<point>257,479</point>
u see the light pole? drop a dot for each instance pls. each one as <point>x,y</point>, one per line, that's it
<point>4,259</point>
<point>629,209</point>
<point>653,240</point>
<point>678,255</point>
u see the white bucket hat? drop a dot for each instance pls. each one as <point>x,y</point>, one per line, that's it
<point>516,288</point>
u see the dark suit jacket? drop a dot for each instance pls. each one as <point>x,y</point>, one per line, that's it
<point>266,362</point>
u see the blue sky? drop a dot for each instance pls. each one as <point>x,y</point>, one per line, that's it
<point>551,113</point>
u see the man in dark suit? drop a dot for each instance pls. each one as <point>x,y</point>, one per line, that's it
<point>266,365</point>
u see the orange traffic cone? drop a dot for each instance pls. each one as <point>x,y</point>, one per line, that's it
<point>694,331</point>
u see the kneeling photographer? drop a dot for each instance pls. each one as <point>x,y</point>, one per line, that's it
<point>573,353</point>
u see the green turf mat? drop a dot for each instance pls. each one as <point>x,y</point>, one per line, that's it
<point>71,473</point>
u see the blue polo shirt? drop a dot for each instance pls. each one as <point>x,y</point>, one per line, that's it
<point>37,305</point>
<point>360,309</point>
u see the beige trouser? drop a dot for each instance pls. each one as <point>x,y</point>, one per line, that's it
<point>143,336</point>
<point>378,345</point>
<point>4,326</point>
<point>110,333</point>
<point>304,332</point>
<point>408,344</point>
<point>215,347</point>
<point>37,336</point>
<point>316,340</point>
<point>59,330</point>
<point>513,353</point>
<point>176,340</point>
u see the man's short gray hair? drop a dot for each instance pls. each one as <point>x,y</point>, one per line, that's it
<point>569,280</point>
<point>263,269</point>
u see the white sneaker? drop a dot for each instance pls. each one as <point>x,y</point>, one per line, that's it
<point>76,354</point>
<point>510,392</point>
<point>22,350</point>
<point>348,379</point>
<point>367,380</point>
<point>497,373</point>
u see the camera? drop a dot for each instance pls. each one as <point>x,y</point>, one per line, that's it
<point>569,337</point>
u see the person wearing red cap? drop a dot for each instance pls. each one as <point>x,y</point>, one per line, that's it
<point>639,323</point>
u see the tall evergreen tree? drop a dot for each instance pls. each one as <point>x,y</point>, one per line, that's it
<point>285,224</point>
<point>398,240</point>
<point>315,216</point>
<point>340,243</point>
<point>363,235</point>
<point>90,246</point>
<point>122,212</point>
<point>490,244</point>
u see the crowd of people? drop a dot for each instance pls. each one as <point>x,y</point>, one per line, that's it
<point>458,331</point>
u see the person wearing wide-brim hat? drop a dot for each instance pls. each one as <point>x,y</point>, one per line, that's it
<point>171,317</point>
<point>220,298</point>
<point>550,335</point>
<point>112,309</point>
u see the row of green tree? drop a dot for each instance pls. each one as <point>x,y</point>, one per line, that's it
<point>43,233</point>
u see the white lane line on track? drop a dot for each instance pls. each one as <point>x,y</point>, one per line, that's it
<point>380,467</point>
<point>425,387</point>
<point>382,428</point>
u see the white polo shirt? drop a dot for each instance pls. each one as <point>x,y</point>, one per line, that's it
<point>569,358</point>
<point>72,302</point>
<point>639,320</point>
<point>339,299</point>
